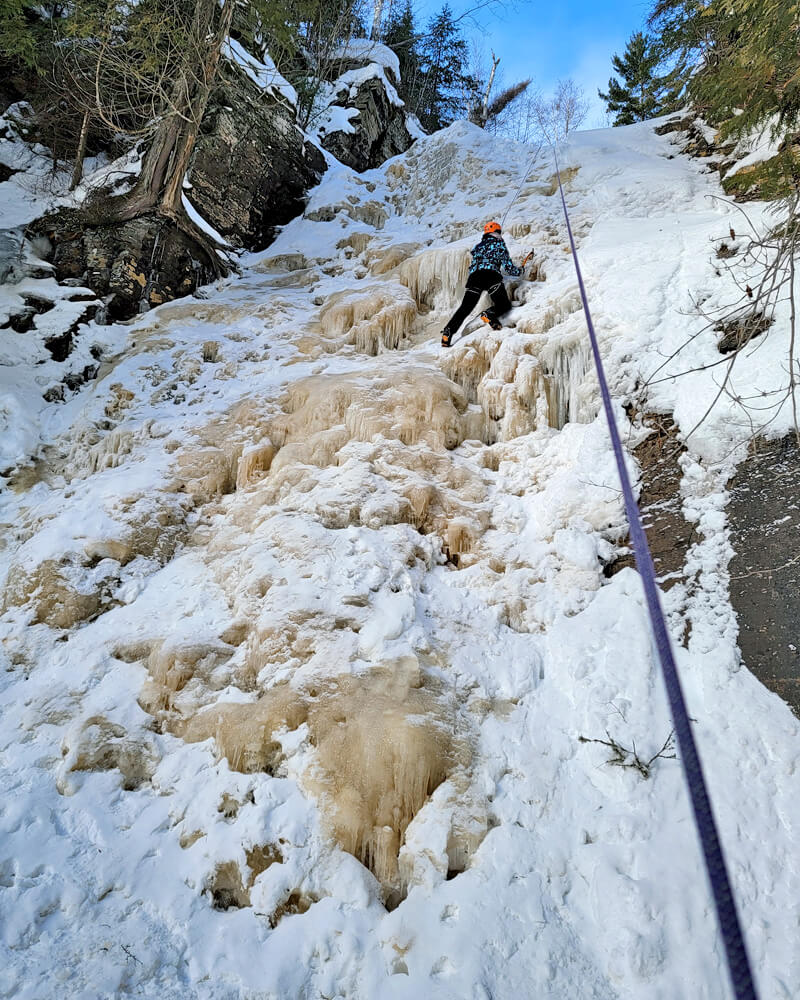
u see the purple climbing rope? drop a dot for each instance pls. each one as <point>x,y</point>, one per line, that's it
<point>738,963</point>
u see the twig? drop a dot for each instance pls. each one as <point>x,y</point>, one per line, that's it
<point>768,570</point>
<point>130,954</point>
<point>623,757</point>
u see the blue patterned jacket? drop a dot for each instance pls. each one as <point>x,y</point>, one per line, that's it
<point>491,254</point>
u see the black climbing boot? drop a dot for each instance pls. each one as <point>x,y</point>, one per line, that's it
<point>493,321</point>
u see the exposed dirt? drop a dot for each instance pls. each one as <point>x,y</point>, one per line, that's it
<point>668,532</point>
<point>740,330</point>
<point>764,518</point>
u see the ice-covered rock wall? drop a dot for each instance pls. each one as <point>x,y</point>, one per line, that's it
<point>307,641</point>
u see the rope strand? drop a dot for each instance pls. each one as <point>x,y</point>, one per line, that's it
<point>736,952</point>
<point>532,160</point>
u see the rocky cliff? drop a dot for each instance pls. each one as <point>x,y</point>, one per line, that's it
<point>252,165</point>
<point>250,174</point>
<point>365,122</point>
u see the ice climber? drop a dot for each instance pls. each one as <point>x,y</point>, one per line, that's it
<point>489,258</point>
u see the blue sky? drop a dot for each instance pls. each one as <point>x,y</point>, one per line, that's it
<point>552,41</point>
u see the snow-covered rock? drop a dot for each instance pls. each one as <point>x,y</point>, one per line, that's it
<point>10,252</point>
<point>360,117</point>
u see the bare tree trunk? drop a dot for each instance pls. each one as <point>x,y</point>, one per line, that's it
<point>166,148</point>
<point>160,182</point>
<point>484,114</point>
<point>793,322</point>
<point>377,14</point>
<point>80,155</point>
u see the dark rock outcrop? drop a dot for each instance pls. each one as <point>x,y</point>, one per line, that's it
<point>764,520</point>
<point>380,130</point>
<point>694,139</point>
<point>250,171</point>
<point>740,330</point>
<point>680,123</point>
<point>133,265</point>
<point>252,166</point>
<point>764,180</point>
<point>10,252</point>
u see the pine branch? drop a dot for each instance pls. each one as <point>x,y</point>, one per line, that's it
<point>505,97</point>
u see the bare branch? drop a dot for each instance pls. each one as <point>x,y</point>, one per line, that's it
<point>623,757</point>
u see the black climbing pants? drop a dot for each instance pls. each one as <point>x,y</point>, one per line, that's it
<point>478,282</point>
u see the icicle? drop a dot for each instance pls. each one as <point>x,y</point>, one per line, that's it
<point>436,278</point>
<point>556,312</point>
<point>566,367</point>
<point>379,316</point>
<point>255,460</point>
<point>89,455</point>
<point>420,408</point>
<point>383,744</point>
<point>207,473</point>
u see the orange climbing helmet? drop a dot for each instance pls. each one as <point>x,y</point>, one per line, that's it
<point>491,227</point>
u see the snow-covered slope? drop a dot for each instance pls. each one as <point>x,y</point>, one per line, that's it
<point>289,590</point>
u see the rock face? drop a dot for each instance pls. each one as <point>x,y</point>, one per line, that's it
<point>133,265</point>
<point>250,172</point>
<point>252,166</point>
<point>764,519</point>
<point>10,250</point>
<point>764,180</point>
<point>378,131</point>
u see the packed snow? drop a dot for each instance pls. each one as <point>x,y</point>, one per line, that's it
<point>263,72</point>
<point>306,636</point>
<point>369,51</point>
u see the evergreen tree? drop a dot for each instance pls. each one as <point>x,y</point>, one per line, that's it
<point>446,93</point>
<point>25,34</point>
<point>642,94</point>
<point>303,38</point>
<point>746,61</point>
<point>689,29</point>
<point>758,78</point>
<point>402,38</point>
